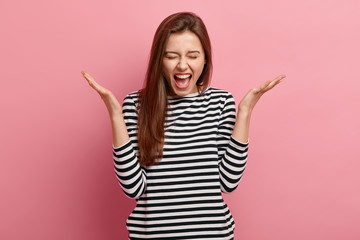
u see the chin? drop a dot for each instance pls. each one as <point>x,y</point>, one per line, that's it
<point>183,92</point>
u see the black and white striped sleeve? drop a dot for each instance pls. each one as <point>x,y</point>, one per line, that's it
<point>232,153</point>
<point>131,176</point>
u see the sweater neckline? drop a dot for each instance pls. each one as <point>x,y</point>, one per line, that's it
<point>188,95</point>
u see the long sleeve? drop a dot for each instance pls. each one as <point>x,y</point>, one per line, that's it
<point>232,153</point>
<point>131,176</point>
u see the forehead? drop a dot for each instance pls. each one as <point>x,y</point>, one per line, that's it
<point>183,41</point>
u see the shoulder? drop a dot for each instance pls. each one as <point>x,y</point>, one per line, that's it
<point>223,97</point>
<point>218,93</point>
<point>131,100</point>
<point>132,97</point>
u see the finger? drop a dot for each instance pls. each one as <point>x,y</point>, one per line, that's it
<point>100,89</point>
<point>262,86</point>
<point>274,82</point>
<point>85,75</point>
<point>280,77</point>
<point>89,78</point>
<point>271,86</point>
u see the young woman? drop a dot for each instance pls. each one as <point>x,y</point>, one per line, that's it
<point>177,142</point>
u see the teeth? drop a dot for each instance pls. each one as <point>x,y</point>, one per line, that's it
<point>183,76</point>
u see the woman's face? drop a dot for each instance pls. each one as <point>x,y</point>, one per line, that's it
<point>183,62</point>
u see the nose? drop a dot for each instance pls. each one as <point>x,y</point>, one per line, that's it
<point>182,64</point>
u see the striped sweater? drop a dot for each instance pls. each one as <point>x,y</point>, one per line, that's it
<point>180,196</point>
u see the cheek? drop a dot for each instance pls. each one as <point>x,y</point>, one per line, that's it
<point>167,69</point>
<point>165,72</point>
<point>200,68</point>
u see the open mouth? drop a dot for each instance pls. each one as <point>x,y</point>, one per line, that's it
<point>182,81</point>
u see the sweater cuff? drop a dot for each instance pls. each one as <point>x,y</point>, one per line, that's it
<point>238,143</point>
<point>121,147</point>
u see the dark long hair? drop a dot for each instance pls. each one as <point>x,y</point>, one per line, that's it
<point>153,100</point>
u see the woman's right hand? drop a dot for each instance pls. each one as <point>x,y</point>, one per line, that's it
<point>112,104</point>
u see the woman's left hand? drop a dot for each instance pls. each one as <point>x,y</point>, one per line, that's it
<point>248,102</point>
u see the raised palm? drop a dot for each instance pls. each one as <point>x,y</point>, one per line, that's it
<point>249,101</point>
<point>112,104</point>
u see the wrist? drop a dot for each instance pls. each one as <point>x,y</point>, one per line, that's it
<point>244,113</point>
<point>115,117</point>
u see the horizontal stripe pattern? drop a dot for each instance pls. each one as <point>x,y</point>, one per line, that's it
<point>180,196</point>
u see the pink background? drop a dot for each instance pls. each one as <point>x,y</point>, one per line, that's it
<point>56,170</point>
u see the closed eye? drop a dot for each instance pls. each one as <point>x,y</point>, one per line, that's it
<point>170,55</point>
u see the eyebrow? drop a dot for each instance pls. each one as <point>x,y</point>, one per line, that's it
<point>194,51</point>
